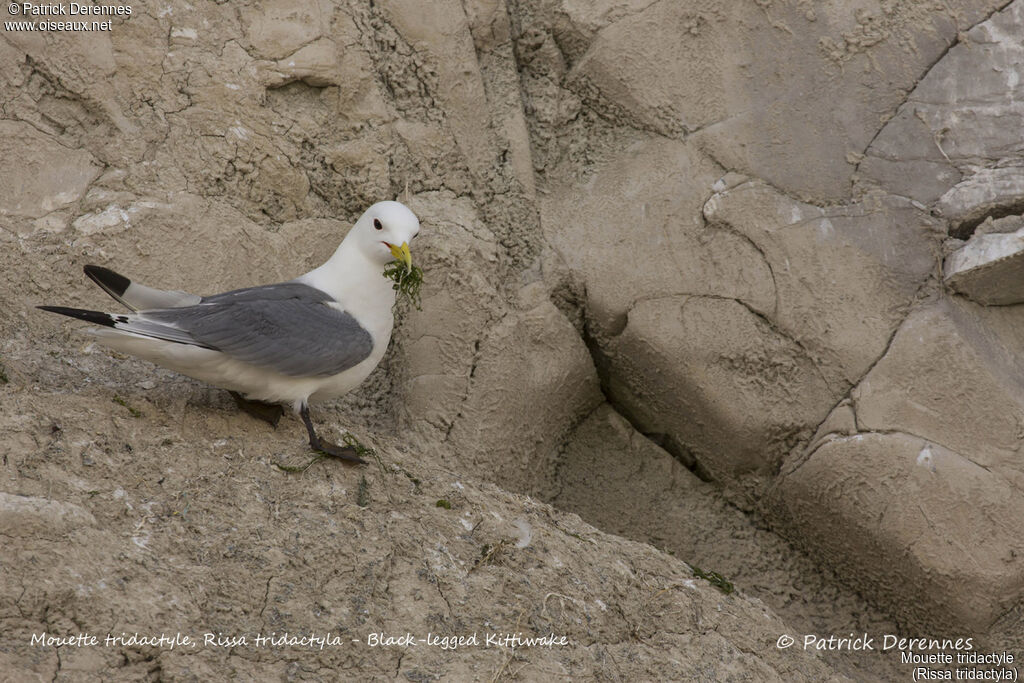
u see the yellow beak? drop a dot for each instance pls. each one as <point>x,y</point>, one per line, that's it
<point>402,254</point>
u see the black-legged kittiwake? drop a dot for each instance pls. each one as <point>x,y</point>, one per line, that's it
<point>309,339</point>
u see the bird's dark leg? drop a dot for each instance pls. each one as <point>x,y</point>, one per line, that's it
<point>268,412</point>
<point>346,453</point>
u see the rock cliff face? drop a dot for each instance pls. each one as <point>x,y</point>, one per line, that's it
<point>695,270</point>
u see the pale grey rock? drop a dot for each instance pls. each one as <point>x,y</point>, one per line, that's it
<point>651,78</point>
<point>738,76</point>
<point>960,121</point>
<point>989,269</point>
<point>441,30</point>
<point>986,192</point>
<point>998,225</point>
<point>923,180</point>
<point>531,383</point>
<point>318,64</point>
<point>820,289</point>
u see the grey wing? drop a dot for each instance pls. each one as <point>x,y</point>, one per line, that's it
<point>289,328</point>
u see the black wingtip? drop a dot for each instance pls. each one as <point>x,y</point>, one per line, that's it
<point>95,317</point>
<point>115,283</point>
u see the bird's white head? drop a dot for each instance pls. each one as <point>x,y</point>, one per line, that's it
<point>385,231</point>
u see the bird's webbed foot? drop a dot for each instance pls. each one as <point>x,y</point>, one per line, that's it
<point>348,453</point>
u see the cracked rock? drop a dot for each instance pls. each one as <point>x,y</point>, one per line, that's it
<point>994,192</point>
<point>989,268</point>
<point>844,276</point>
<point>954,374</point>
<point>280,27</point>
<point>632,230</point>
<point>961,120</point>
<point>39,174</point>
<point>719,381</point>
<point>913,524</point>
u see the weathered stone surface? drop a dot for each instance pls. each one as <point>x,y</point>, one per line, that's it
<point>912,524</point>
<point>278,28</point>
<point>651,78</point>
<point>441,30</point>
<point>718,383</point>
<point>606,460</point>
<point>844,276</point>
<point>739,75</point>
<point>607,469</point>
<point>738,385</point>
<point>500,381</point>
<point>986,192</point>
<point>959,122</point>
<point>143,230</point>
<point>954,375</point>
<point>318,64</point>
<point>174,545</point>
<point>989,269</point>
<point>39,174</point>
<point>925,465</point>
<point>632,230</point>
<point>530,384</point>
<point>29,516</point>
<point>460,305</point>
<point>992,225</point>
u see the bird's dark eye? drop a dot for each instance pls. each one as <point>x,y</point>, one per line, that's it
<point>377,224</point>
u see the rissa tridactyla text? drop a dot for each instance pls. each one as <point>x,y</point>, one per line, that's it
<point>313,338</point>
